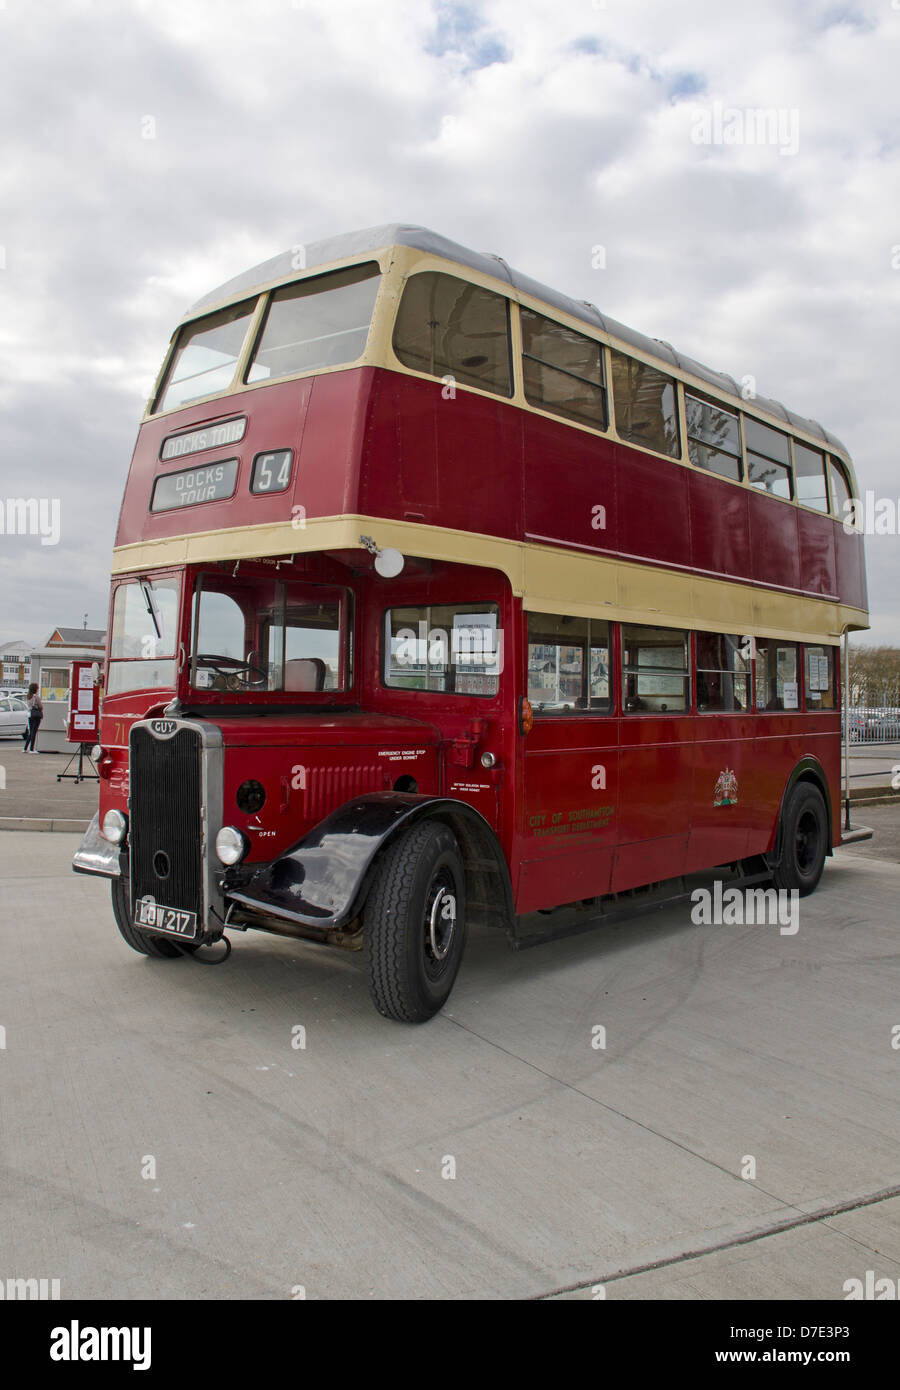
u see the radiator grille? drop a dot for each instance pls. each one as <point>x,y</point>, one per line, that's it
<point>166,829</point>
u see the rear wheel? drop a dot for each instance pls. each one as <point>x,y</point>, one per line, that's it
<point>415,924</point>
<point>143,941</point>
<point>804,840</point>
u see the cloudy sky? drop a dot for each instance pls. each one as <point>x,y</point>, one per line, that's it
<point>153,148</point>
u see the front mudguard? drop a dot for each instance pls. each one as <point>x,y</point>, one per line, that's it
<point>323,879</point>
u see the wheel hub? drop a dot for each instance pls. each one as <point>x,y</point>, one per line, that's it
<point>442,923</point>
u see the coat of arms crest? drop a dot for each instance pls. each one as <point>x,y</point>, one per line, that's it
<point>726,793</point>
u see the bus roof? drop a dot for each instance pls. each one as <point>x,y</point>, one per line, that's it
<point>353,245</point>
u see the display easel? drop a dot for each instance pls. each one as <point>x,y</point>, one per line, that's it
<point>81,775</point>
<point>83,719</point>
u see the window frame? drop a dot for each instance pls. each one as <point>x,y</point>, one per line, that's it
<point>745,672</point>
<point>628,670</point>
<point>427,606</point>
<point>458,382</point>
<point>823,454</point>
<point>788,467</point>
<point>588,710</point>
<point>690,438</point>
<point>678,453</point>
<point>602,387</point>
<point>293,289</point>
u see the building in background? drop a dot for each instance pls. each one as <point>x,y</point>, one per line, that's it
<point>50,663</point>
<point>15,657</point>
<point>50,669</point>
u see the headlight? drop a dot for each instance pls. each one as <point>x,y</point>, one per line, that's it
<point>231,845</point>
<point>96,753</point>
<point>114,827</point>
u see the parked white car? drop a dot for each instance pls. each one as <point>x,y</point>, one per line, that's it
<point>13,716</point>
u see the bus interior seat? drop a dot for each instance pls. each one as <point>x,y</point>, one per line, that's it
<point>305,673</point>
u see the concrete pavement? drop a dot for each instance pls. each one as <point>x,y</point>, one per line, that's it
<point>31,798</point>
<point>162,1137</point>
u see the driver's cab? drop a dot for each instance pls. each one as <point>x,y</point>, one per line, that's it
<point>257,634</point>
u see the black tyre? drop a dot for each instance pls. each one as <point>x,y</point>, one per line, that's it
<point>143,941</point>
<point>415,924</point>
<point>804,840</point>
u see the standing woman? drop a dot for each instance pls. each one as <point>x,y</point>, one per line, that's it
<point>35,715</point>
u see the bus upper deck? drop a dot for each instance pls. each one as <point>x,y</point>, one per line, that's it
<point>403,383</point>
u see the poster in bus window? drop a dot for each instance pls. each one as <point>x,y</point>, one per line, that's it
<point>476,653</point>
<point>658,683</point>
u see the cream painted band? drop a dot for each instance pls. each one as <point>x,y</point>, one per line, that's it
<point>548,579</point>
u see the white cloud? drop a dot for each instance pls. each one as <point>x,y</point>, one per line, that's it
<point>535,130</point>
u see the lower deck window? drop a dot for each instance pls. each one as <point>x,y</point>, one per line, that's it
<point>818,670</point>
<point>777,668</point>
<point>455,648</point>
<point>655,670</point>
<point>568,664</point>
<point>723,673</point>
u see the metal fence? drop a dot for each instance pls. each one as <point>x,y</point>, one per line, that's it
<point>872,725</point>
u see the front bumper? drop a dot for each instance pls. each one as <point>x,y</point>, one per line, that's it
<point>95,855</point>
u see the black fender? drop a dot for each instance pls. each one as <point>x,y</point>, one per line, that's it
<point>808,769</point>
<point>322,881</point>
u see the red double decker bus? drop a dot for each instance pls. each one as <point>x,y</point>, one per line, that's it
<point>439,599</point>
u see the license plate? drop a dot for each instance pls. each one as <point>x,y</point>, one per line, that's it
<point>171,920</point>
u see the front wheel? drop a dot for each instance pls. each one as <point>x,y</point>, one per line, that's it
<point>143,941</point>
<point>804,840</point>
<point>415,924</point>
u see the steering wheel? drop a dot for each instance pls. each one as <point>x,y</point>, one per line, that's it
<point>238,675</point>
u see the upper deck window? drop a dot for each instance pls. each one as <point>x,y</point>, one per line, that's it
<point>206,356</point>
<point>646,405</point>
<point>714,437</point>
<point>768,462</point>
<point>563,371</point>
<point>322,322</point>
<point>809,470</point>
<point>840,490</point>
<point>450,327</point>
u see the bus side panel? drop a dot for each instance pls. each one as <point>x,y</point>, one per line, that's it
<point>656,775</point>
<point>571,783</point>
<point>850,565</point>
<point>654,509</point>
<point>774,542</point>
<point>817,553</point>
<point>451,461</point>
<point>720,826</point>
<point>569,485</point>
<point>720,525</point>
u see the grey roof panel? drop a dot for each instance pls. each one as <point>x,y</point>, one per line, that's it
<point>81,636</point>
<point>371,239</point>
